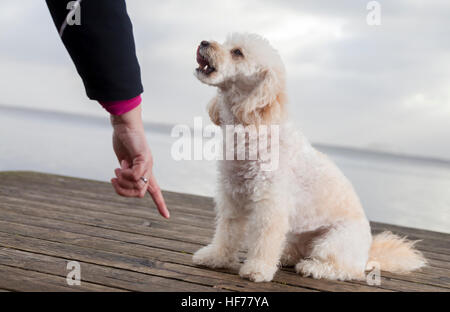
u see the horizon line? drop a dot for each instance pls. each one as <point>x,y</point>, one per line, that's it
<point>166,129</point>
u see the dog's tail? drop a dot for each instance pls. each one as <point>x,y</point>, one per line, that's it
<point>395,254</point>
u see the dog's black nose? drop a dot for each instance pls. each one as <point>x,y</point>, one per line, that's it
<point>204,44</point>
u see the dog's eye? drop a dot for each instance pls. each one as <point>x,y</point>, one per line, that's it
<point>237,52</point>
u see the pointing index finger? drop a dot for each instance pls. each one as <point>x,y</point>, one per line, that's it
<point>155,193</point>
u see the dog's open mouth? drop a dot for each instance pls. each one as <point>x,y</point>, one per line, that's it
<point>204,65</point>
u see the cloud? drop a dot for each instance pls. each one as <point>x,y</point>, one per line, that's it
<point>349,83</point>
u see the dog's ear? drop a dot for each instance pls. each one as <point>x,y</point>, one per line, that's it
<point>213,111</point>
<point>274,94</point>
<point>265,103</point>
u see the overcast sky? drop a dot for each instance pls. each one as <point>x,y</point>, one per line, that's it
<point>382,87</point>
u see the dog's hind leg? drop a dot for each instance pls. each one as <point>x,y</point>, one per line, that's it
<point>341,254</point>
<point>299,245</point>
<point>325,269</point>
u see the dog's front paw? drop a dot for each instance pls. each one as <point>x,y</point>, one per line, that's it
<point>258,271</point>
<point>214,257</point>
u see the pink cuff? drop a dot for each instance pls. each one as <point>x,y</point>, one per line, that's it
<point>121,107</point>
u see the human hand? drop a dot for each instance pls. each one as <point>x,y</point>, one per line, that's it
<point>135,158</point>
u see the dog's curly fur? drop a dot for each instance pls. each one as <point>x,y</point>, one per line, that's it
<point>304,213</point>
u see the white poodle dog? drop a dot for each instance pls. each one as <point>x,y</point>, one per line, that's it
<point>303,213</point>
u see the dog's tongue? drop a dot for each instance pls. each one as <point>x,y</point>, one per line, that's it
<point>200,59</point>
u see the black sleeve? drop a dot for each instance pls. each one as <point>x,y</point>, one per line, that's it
<point>102,48</point>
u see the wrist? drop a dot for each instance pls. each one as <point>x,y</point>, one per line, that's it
<point>131,120</point>
<point>122,106</point>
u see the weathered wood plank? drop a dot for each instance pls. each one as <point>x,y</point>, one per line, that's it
<point>108,276</point>
<point>134,223</point>
<point>443,260</point>
<point>145,241</point>
<point>92,231</point>
<point>142,208</point>
<point>26,280</point>
<point>121,240</point>
<point>88,187</point>
<point>126,224</point>
<point>418,277</point>
<point>49,217</point>
<point>417,233</point>
<point>107,205</point>
<point>91,189</point>
<point>143,205</point>
<point>151,265</point>
<point>100,244</point>
<point>299,281</point>
<point>138,239</point>
<point>282,278</point>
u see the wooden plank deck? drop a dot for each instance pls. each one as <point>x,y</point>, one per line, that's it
<point>123,245</point>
